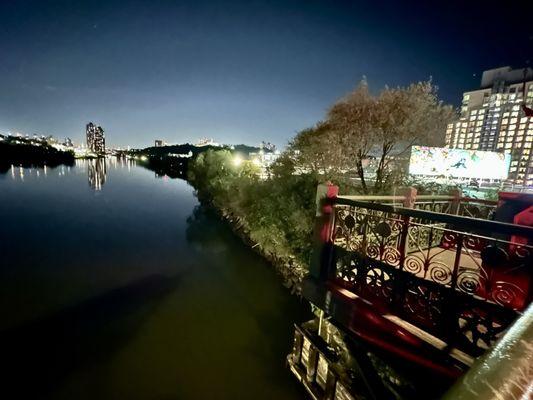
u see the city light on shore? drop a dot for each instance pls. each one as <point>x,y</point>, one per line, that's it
<point>237,160</point>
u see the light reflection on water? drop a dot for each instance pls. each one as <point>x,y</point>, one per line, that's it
<point>133,291</point>
<point>96,170</point>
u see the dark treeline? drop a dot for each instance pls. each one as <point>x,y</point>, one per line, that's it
<point>27,155</point>
<point>174,167</point>
<point>173,160</point>
<point>187,148</point>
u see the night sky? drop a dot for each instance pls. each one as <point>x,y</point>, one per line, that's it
<point>235,71</point>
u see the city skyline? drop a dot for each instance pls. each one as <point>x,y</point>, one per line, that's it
<point>233,71</point>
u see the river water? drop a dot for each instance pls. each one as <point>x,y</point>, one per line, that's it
<point>116,284</point>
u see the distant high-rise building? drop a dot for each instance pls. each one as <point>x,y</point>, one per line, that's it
<point>492,119</point>
<point>160,143</point>
<point>207,142</point>
<point>68,142</point>
<point>95,138</point>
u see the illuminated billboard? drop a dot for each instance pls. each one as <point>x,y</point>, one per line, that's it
<point>458,163</point>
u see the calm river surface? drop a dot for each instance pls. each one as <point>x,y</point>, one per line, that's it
<point>115,284</point>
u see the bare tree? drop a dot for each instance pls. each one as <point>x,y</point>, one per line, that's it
<point>406,117</point>
<point>352,121</point>
<point>358,123</point>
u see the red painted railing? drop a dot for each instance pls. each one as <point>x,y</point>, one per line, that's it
<point>460,279</point>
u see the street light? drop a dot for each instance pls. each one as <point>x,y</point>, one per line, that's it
<point>237,160</point>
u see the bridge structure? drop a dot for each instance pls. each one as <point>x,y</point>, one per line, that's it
<point>413,292</point>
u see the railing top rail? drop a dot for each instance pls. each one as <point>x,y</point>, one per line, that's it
<point>418,197</point>
<point>371,198</point>
<point>434,197</point>
<point>466,223</point>
<point>480,201</point>
<point>397,197</point>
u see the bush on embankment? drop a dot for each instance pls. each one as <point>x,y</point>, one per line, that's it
<point>275,215</point>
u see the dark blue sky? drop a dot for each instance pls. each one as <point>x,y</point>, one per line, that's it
<point>234,71</point>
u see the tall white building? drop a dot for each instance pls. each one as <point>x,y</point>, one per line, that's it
<point>492,119</point>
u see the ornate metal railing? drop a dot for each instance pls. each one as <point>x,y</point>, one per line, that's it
<point>461,279</point>
<point>477,208</point>
<point>446,204</point>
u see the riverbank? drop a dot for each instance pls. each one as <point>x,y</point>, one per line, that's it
<point>28,155</point>
<point>288,267</point>
<point>273,216</point>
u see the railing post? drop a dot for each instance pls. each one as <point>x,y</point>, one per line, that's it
<point>456,202</point>
<point>409,197</point>
<point>457,260</point>
<point>319,266</point>
<point>312,364</point>
<point>398,291</point>
<point>408,202</point>
<point>331,380</point>
<point>404,234</point>
<point>451,307</point>
<point>297,347</point>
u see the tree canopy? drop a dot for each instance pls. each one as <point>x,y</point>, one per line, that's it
<point>361,123</point>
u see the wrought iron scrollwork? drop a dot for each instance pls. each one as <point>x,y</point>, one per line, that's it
<point>372,232</point>
<point>423,303</point>
<point>347,269</point>
<point>470,280</point>
<point>456,284</point>
<point>476,210</point>
<point>480,327</point>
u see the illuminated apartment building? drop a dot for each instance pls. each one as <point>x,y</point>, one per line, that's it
<point>95,138</point>
<point>492,119</point>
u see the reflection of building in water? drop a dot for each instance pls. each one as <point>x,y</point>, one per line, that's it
<point>96,171</point>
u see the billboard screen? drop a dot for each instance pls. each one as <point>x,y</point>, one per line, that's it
<point>458,163</point>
